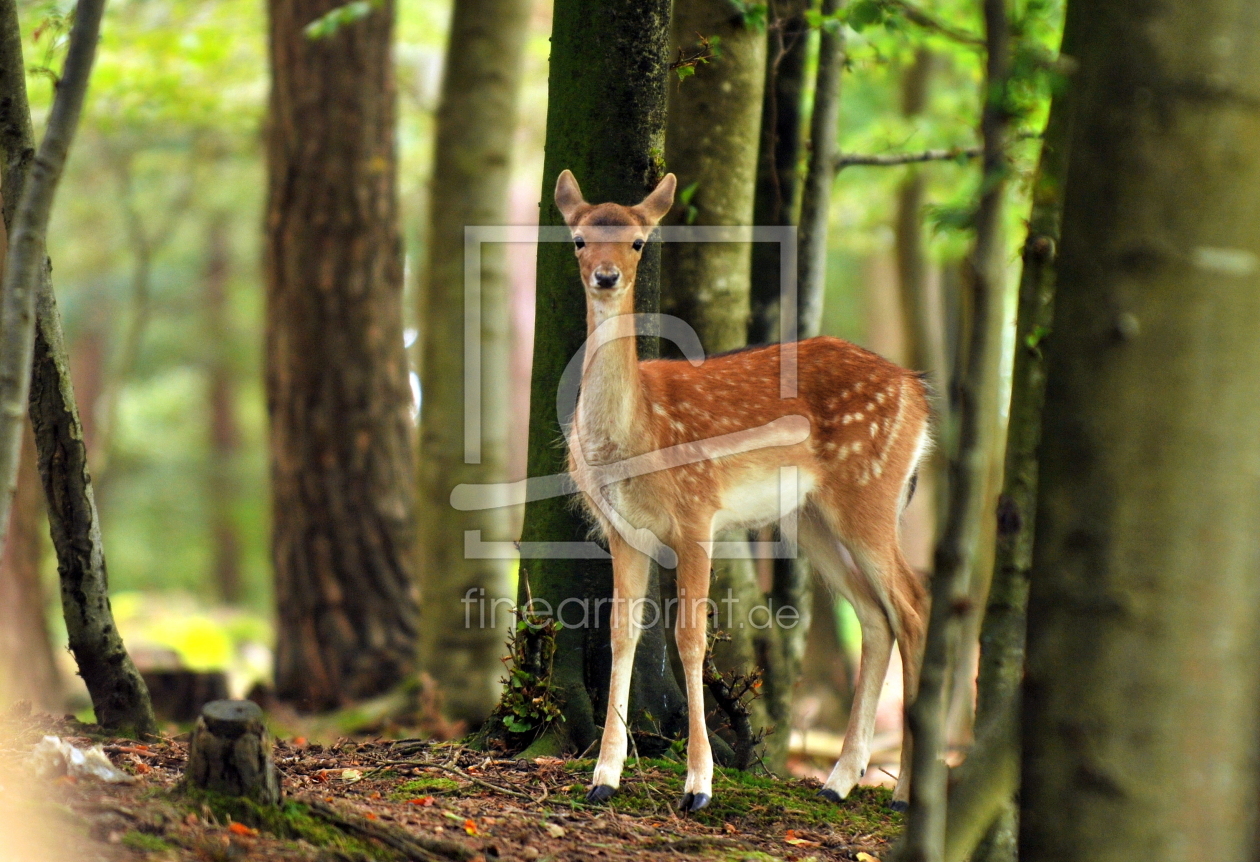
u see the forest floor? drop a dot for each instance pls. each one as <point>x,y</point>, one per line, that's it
<point>360,800</point>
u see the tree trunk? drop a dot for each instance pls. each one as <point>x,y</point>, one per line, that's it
<point>711,145</point>
<point>1001,669</point>
<point>777,159</point>
<point>221,490</point>
<point>27,668</point>
<point>471,170</point>
<point>1141,694</point>
<point>119,697</point>
<point>969,468</point>
<point>338,396</point>
<point>606,123</point>
<point>824,125</point>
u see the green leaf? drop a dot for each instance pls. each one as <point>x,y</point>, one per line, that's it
<point>334,19</point>
<point>685,72</point>
<point>685,196</point>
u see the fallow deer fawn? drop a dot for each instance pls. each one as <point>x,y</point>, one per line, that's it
<point>855,433</point>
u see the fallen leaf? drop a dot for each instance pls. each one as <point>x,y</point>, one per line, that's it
<point>554,830</point>
<point>320,777</point>
<point>730,829</point>
<point>370,816</point>
<point>351,775</point>
<point>424,801</point>
<point>796,841</point>
<point>866,857</point>
<point>470,826</point>
<point>299,741</point>
<point>241,829</point>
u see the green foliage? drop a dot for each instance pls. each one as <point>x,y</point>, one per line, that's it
<point>342,16</point>
<point>690,212</point>
<point>753,16</point>
<point>529,705</point>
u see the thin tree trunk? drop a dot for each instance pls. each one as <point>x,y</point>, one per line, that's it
<point>816,195</point>
<point>119,697</point>
<point>1002,634</point>
<point>338,395</point>
<point>606,123</point>
<point>1141,730</point>
<point>924,840</point>
<point>27,668</point>
<point>777,159</point>
<point>221,481</point>
<point>471,170</point>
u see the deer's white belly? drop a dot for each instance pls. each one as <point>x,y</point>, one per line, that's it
<point>763,498</point>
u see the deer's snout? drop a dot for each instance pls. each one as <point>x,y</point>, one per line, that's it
<point>606,276</point>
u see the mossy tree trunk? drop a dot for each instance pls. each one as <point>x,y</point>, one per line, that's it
<point>1140,727</point>
<point>606,123</point>
<point>338,397</point>
<point>982,811</point>
<point>471,169</point>
<point>119,697</point>
<point>711,144</point>
<point>977,391</point>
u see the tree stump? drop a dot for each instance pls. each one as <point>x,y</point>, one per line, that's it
<point>231,752</point>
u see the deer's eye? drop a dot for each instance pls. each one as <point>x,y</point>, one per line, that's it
<point>638,245</point>
<point>579,242</point>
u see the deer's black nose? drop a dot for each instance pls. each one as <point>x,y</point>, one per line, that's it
<point>606,278</point>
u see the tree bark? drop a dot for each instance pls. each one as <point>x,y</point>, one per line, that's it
<point>777,159</point>
<point>711,145</point>
<point>1141,692</point>
<point>606,123</point>
<point>338,396</point>
<point>1001,671</point>
<point>27,668</point>
<point>471,170</point>
<point>824,125</point>
<point>956,551</point>
<point>221,479</point>
<point>119,698</point>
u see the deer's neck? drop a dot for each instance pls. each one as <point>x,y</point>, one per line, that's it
<point>611,409</point>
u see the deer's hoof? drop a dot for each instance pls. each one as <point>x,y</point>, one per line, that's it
<point>600,793</point>
<point>830,795</point>
<point>693,802</point>
<point>899,805</point>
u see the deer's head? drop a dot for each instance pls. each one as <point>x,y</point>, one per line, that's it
<point>609,239</point>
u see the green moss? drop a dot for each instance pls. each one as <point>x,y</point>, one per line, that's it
<point>751,802</point>
<point>289,819</point>
<point>423,786</point>
<point>146,843</point>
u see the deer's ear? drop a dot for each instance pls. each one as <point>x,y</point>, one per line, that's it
<point>568,196</point>
<point>657,204</point>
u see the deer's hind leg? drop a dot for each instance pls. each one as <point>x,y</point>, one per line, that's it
<point>888,601</point>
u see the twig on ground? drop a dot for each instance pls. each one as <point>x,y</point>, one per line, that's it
<point>415,847</point>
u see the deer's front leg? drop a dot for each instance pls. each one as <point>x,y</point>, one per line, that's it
<point>691,633</point>
<point>630,577</point>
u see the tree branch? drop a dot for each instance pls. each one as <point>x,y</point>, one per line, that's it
<point>890,159</point>
<point>915,15</point>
